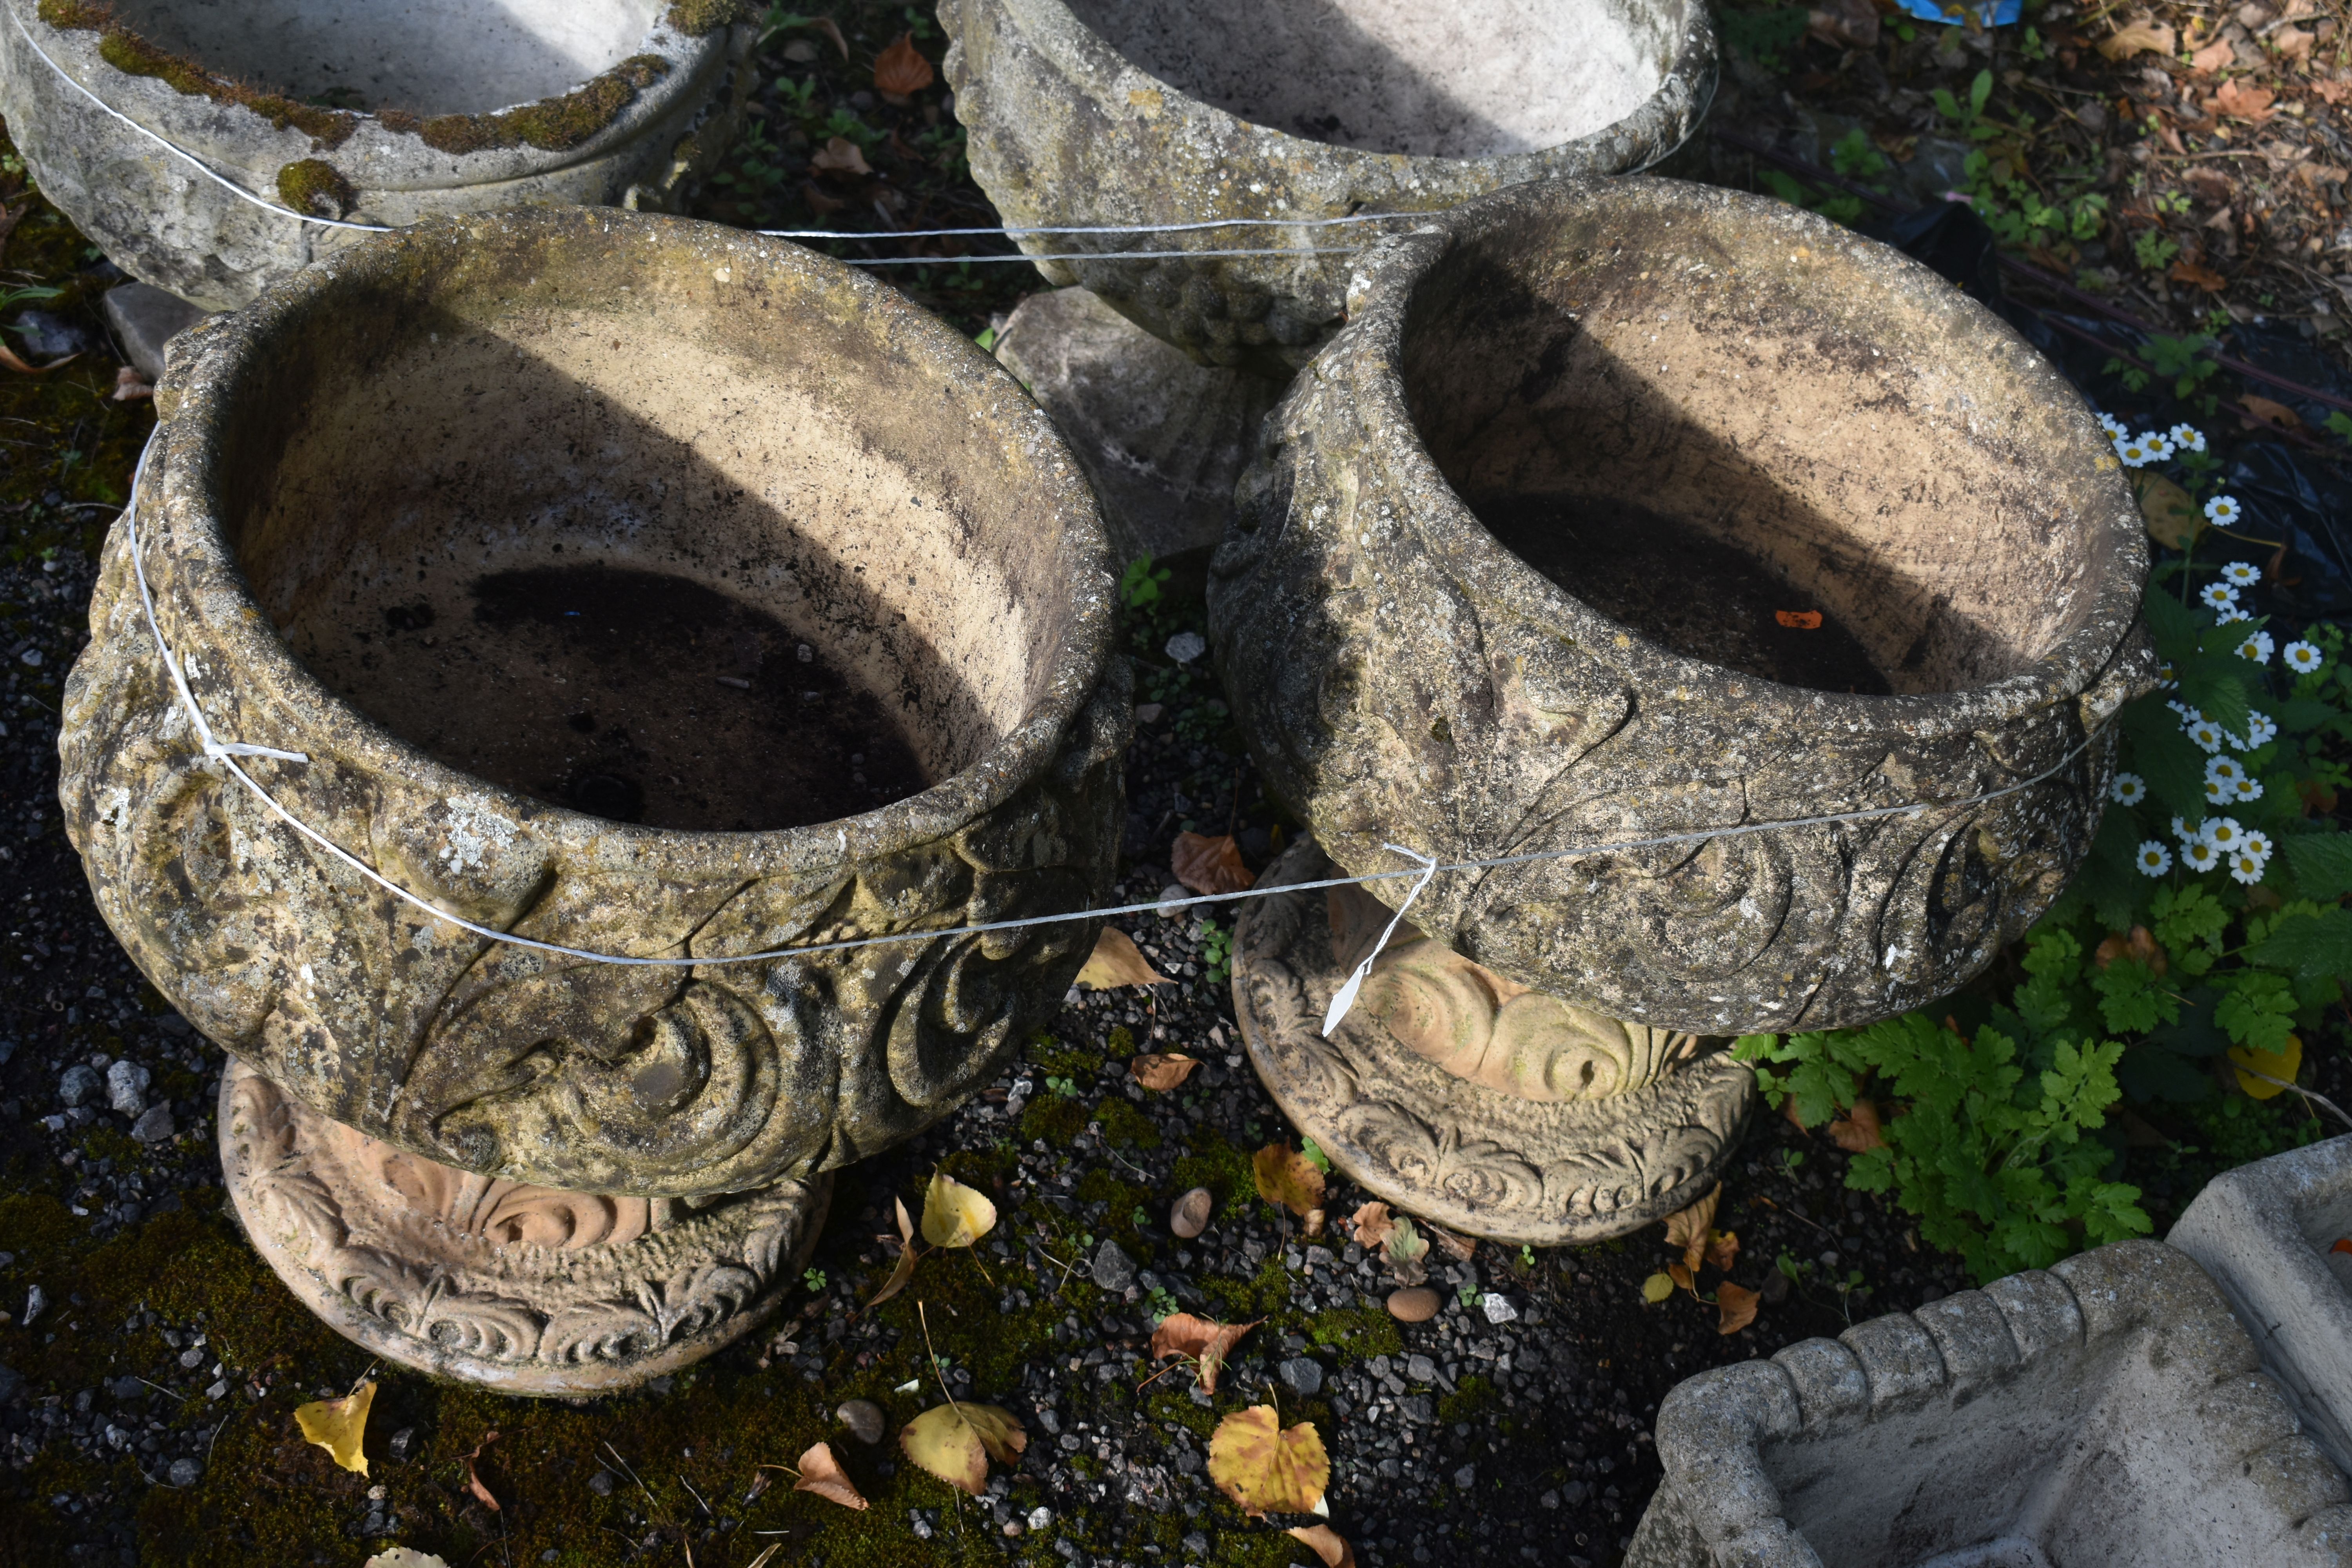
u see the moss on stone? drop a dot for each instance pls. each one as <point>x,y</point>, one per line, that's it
<point>315,188</point>
<point>553,124</point>
<point>133,54</point>
<point>695,18</point>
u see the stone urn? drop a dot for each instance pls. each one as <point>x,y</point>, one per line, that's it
<point>1631,530</point>
<point>372,113</point>
<point>1175,111</point>
<point>2268,1233</point>
<point>2106,1413</point>
<point>633,587</point>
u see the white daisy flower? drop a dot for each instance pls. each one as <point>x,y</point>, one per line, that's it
<point>2218,596</point>
<point>2258,844</point>
<point>2242,574</point>
<point>2185,834</point>
<point>2223,510</point>
<point>2130,789</point>
<point>2155,859</point>
<point>2206,735</point>
<point>2223,770</point>
<point>2246,868</point>
<point>2188,715</point>
<point>2168,679</point>
<point>2135,451</point>
<point>2224,833</point>
<point>2246,789</point>
<point>2159,448</point>
<point>2188,437</point>
<point>2200,856</point>
<point>2256,647</point>
<point>2303,657</point>
<point>2116,428</point>
<point>2231,615</point>
<point>2261,729</point>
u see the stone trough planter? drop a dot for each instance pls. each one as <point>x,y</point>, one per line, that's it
<point>1165,111</point>
<point>635,585</point>
<point>1514,572</point>
<point>2267,1232</point>
<point>2106,1412</point>
<point>373,113</point>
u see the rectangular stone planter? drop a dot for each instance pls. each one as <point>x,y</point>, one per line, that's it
<point>2106,1412</point>
<point>2263,1231</point>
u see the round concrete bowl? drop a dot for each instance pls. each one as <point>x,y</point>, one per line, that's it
<point>1630,508</point>
<point>1170,111</point>
<point>342,108</point>
<point>635,585</point>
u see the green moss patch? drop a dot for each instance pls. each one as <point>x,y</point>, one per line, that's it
<point>316,187</point>
<point>132,55</point>
<point>1054,1119</point>
<point>1358,1333</point>
<point>695,18</point>
<point>1124,1125</point>
<point>553,124</point>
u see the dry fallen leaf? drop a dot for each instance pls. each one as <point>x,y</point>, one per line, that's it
<point>1460,1248</point>
<point>2138,38</point>
<point>955,1442</point>
<point>474,1477</point>
<point>1658,1288</point>
<point>2238,100</point>
<point>901,71</point>
<point>1687,1229</point>
<point>1325,1542</point>
<point>2281,1065</point>
<point>1209,865</point>
<point>2140,944</point>
<point>340,1426</point>
<point>840,156</point>
<point>9,357</point>
<point>1162,1070</point>
<point>1406,1248</point>
<point>2173,519</point>
<point>1685,1275</point>
<point>954,1214</point>
<point>1802,620</point>
<point>1285,1177</point>
<point>1736,1306</point>
<point>1844,24</point>
<point>2270,411</point>
<point>2213,57</point>
<point>831,29</point>
<point>1858,1130</point>
<point>1265,1468</point>
<point>2343,1244</point>
<point>1202,1340</point>
<point>1722,1249</point>
<point>130,386</point>
<point>2198,275</point>
<point>1117,962</point>
<point>822,1473</point>
<point>1371,1226</point>
<point>904,1269</point>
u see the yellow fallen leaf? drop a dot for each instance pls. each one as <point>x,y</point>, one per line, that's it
<point>1117,962</point>
<point>1288,1177</point>
<point>954,1214</point>
<point>955,1442</point>
<point>1736,1306</point>
<point>1687,1227</point>
<point>340,1426</point>
<point>1265,1468</point>
<point>1325,1542</point>
<point>2173,519</point>
<point>822,1473</point>
<point>1723,1249</point>
<point>405,1557</point>
<point>2138,38</point>
<point>2283,1065</point>
<point>1658,1288</point>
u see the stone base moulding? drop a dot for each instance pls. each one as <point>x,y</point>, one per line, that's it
<point>2267,1232</point>
<point>1463,1098</point>
<point>523,1289</point>
<point>2106,1412</point>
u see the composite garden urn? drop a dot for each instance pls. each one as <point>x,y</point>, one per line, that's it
<point>1757,598</point>
<point>355,110</point>
<point>631,588</point>
<point>1159,112</point>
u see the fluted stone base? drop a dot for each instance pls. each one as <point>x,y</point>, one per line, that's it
<point>525,1290</point>
<point>1565,1127</point>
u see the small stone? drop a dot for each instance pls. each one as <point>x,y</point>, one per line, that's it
<point>154,1125</point>
<point>1417,1305</point>
<point>402,1444</point>
<point>126,1087</point>
<point>184,1472</point>
<point>1039,1518</point>
<point>80,1082</point>
<point>603,1483</point>
<point>1190,1215</point>
<point>1418,1408</point>
<point>1498,1309</point>
<point>1303,1374</point>
<point>1186,647</point>
<point>36,1300</point>
<point>219,1390</point>
<point>864,1419</point>
<point>1550,1499</point>
<point>145,319</point>
<point>1114,1270</point>
<point>1420,1369</point>
<point>1195,1544</point>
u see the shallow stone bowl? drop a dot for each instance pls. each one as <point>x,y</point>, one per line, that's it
<point>633,585</point>
<point>1168,112</point>
<point>1630,508</point>
<point>354,109</point>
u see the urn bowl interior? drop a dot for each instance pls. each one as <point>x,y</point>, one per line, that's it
<point>1471,78</point>
<point>421,57</point>
<point>647,519</point>
<point>1758,441</point>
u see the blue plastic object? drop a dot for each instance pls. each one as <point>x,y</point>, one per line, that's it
<point>1989,12</point>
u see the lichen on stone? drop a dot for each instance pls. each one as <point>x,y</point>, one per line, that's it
<point>553,124</point>
<point>315,188</point>
<point>132,55</point>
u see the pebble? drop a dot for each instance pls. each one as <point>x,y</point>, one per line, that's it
<point>1420,1368</point>
<point>1417,1305</point>
<point>80,1082</point>
<point>185,1472</point>
<point>1499,1309</point>
<point>126,1087</point>
<point>1190,1217</point>
<point>1114,1270</point>
<point>1186,647</point>
<point>864,1419</point>
<point>154,1125</point>
<point>1303,1374</point>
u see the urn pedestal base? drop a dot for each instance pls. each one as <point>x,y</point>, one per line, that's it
<point>524,1289</point>
<point>1548,1125</point>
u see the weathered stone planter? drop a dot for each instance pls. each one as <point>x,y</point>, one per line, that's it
<point>2107,1412</point>
<point>1166,112</point>
<point>635,585</point>
<point>448,108</point>
<point>1511,576</point>
<point>2267,1232</point>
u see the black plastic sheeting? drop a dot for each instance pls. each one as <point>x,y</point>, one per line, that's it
<point>2300,499</point>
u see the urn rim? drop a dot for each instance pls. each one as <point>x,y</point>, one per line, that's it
<point>1367,356</point>
<point>197,578</point>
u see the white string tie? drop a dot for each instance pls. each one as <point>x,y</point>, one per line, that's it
<point>1345,998</point>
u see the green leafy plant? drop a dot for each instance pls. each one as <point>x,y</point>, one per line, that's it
<point>2153,251</point>
<point>1216,957</point>
<point>1969,118</point>
<point>1139,586</point>
<point>813,1278</point>
<point>1067,1088</point>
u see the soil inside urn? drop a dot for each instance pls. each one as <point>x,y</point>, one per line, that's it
<point>628,694</point>
<point>1677,586</point>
